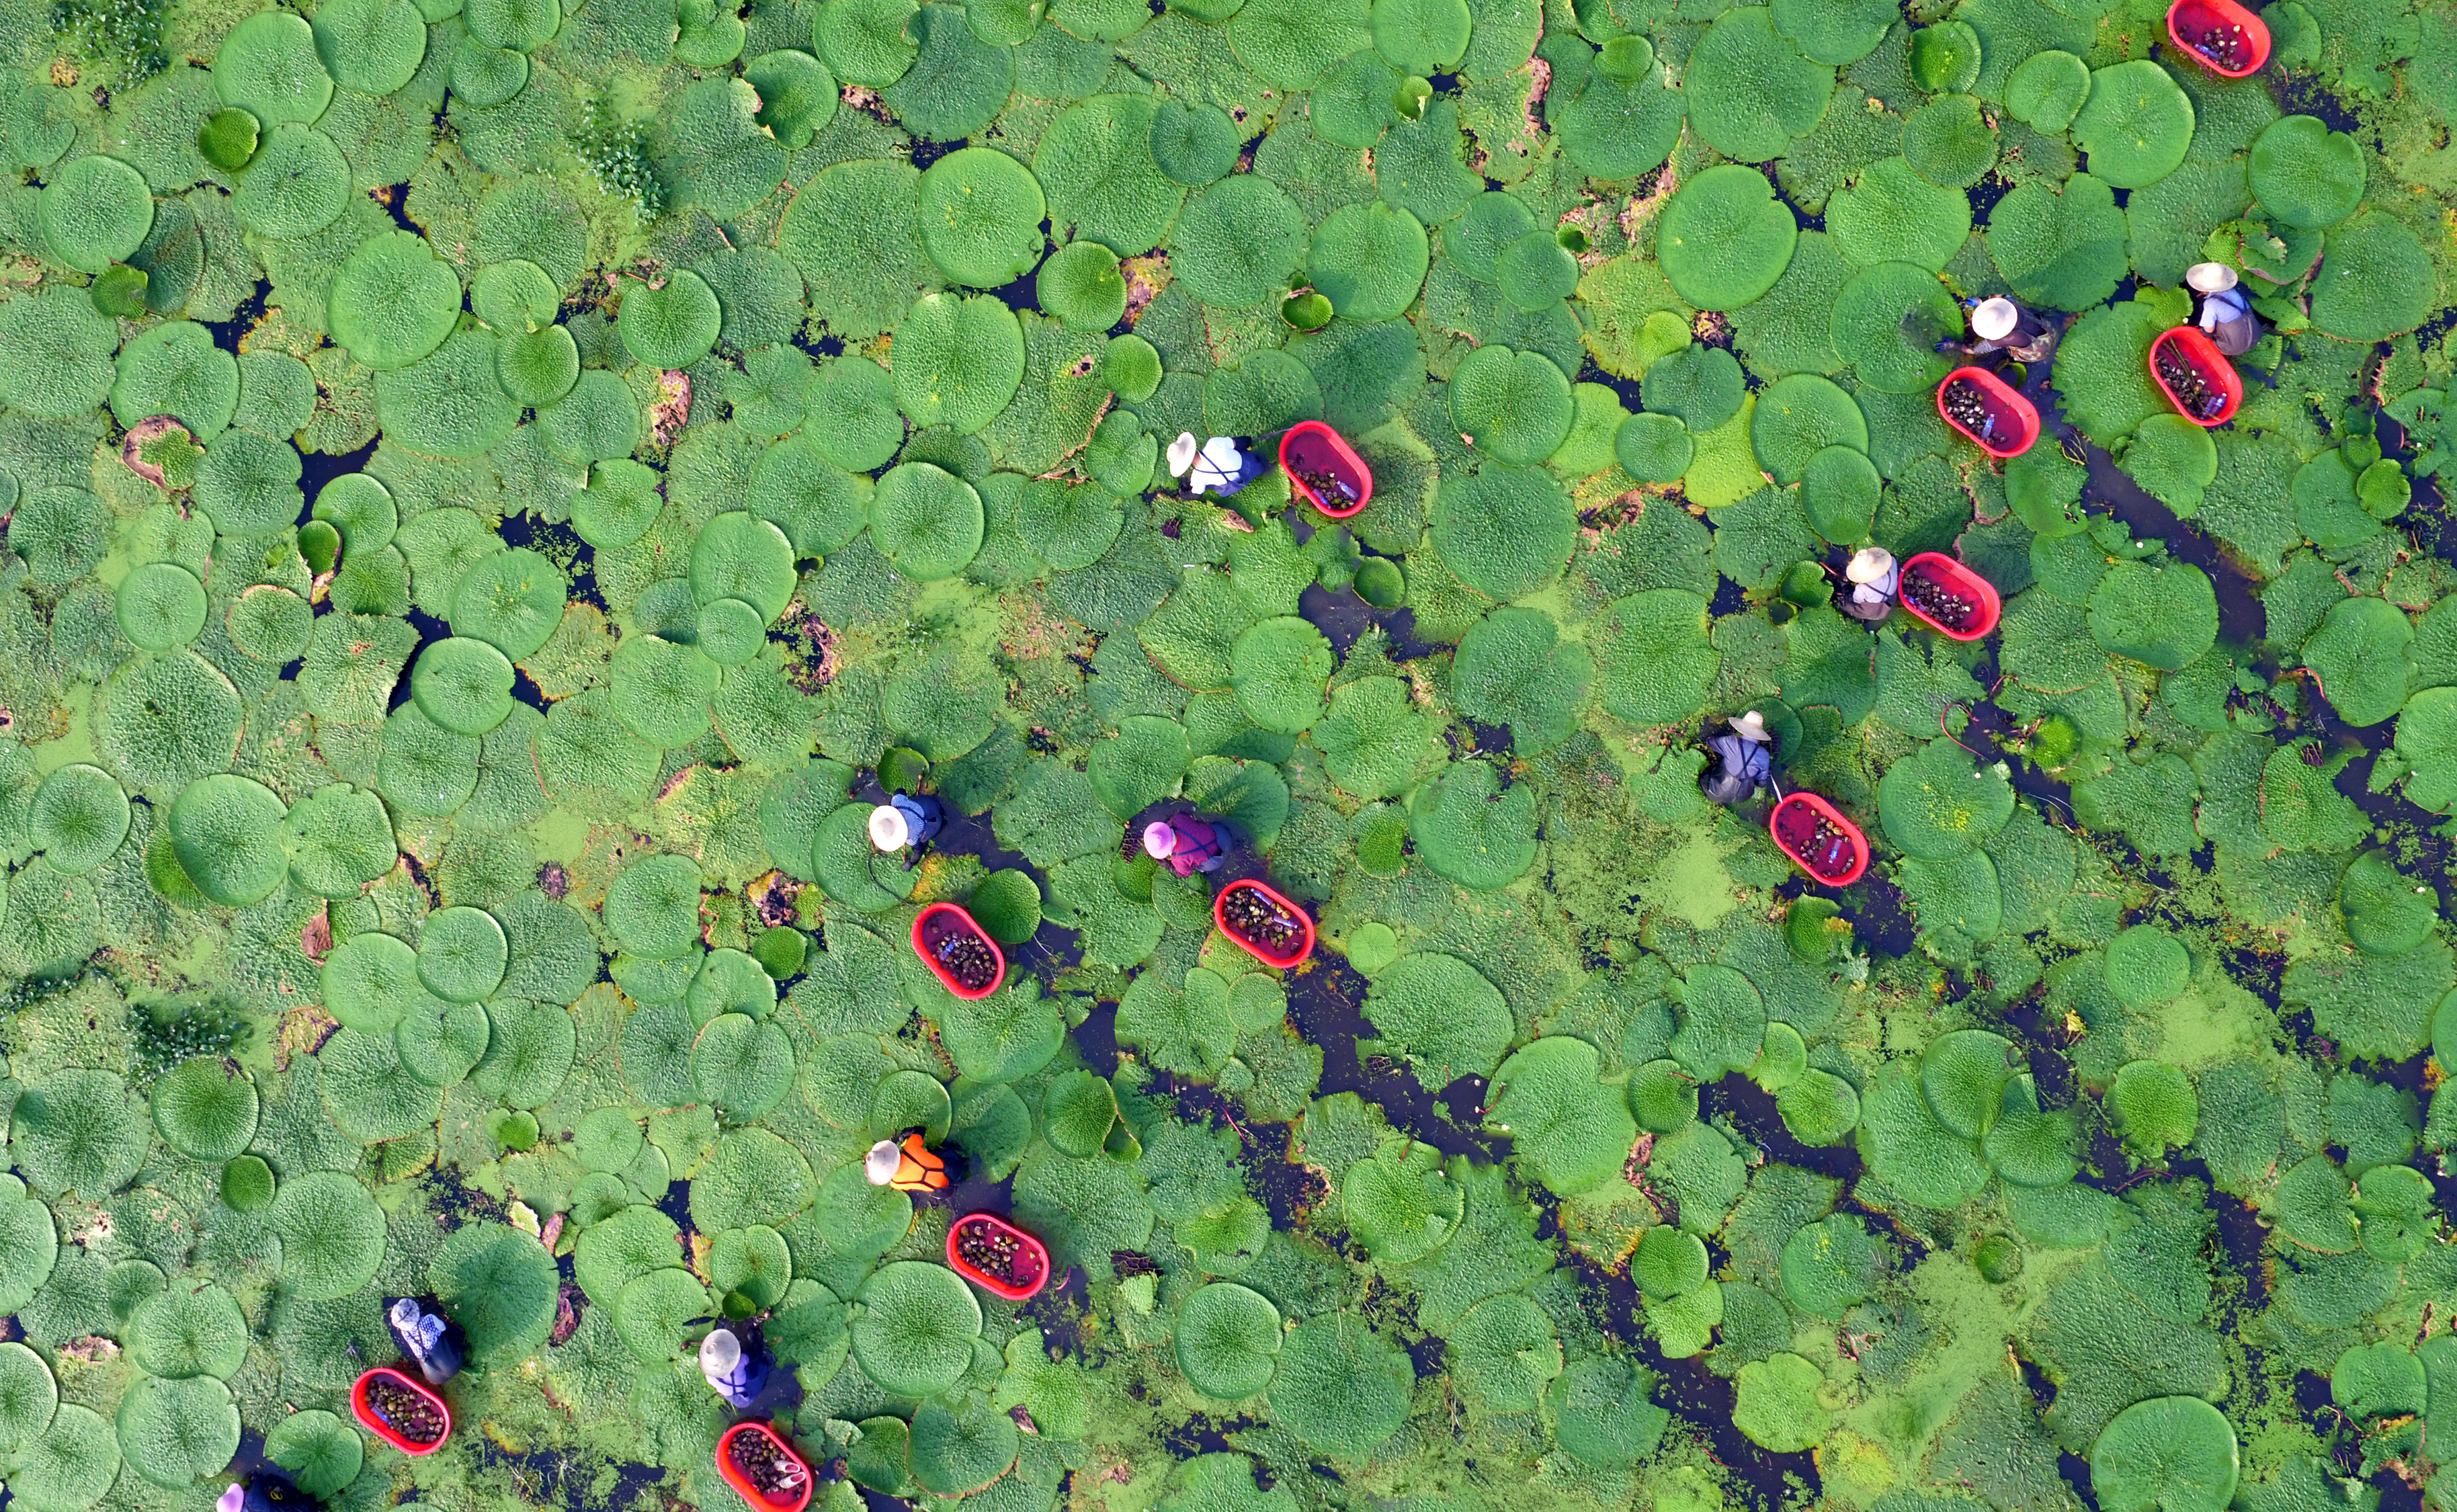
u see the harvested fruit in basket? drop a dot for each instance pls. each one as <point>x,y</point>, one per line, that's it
<point>1939,602</point>
<point>967,959</point>
<point>1821,845</point>
<point>2197,395</point>
<point>775,1474</point>
<point>1968,405</point>
<point>2225,43</point>
<point>997,1254</point>
<point>1327,485</point>
<point>404,1411</point>
<point>1253,916</point>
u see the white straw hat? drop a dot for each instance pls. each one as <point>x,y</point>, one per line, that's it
<point>1869,564</point>
<point>1159,839</point>
<point>1994,320</point>
<point>1180,453</point>
<point>888,829</point>
<point>881,1163</point>
<point>1751,725</point>
<point>719,1352</point>
<point>2211,277</point>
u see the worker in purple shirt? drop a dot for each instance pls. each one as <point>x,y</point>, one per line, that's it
<point>264,1491</point>
<point>1186,844</point>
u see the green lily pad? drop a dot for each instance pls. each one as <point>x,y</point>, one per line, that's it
<point>2061,247</point>
<point>1890,214</point>
<point>1949,141</point>
<point>981,214</point>
<point>1506,531</point>
<point>2165,617</point>
<point>2305,175</point>
<point>2375,281</point>
<point>1725,239</point>
<point>2046,90</point>
<point>2177,1454</point>
<point>1887,322</point>
<point>1750,90</point>
<point>2136,125</point>
<point>1369,260</point>
<point>1236,242</point>
<point>1939,804</point>
<point>1278,669</point>
<point>959,360</point>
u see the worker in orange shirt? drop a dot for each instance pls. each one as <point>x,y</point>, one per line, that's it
<point>908,1165</point>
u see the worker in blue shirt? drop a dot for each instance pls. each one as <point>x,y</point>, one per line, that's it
<point>430,1339</point>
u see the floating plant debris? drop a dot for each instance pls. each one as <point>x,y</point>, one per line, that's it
<point>1938,601</point>
<point>2225,43</point>
<point>404,1411</point>
<point>1327,485</point>
<point>777,1475</point>
<point>968,957</point>
<point>1821,845</point>
<point>2184,379</point>
<point>1259,920</point>
<point>1968,404</point>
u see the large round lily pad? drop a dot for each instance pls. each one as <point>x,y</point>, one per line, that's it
<point>1751,91</point>
<point>2136,125</point>
<point>1887,322</point>
<point>2171,1454</point>
<point>2164,616</point>
<point>979,213</point>
<point>2375,281</point>
<point>914,1331</point>
<point>95,212</point>
<point>1506,531</point>
<point>1227,1338</point>
<point>1725,239</point>
<point>2062,247</point>
<point>2305,175</point>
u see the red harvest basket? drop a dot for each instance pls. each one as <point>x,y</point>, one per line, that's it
<point>2202,355</point>
<point>2014,415</point>
<point>741,1482</point>
<point>373,1421</point>
<point>1220,918</point>
<point>1954,578</point>
<point>2188,19</point>
<point>1315,447</point>
<point>1031,1260</point>
<point>1799,811</point>
<point>936,923</point>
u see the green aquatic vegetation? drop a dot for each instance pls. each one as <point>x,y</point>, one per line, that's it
<point>405,888</point>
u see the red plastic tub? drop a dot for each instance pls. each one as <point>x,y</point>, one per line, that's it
<point>1219,917</point>
<point>374,1421</point>
<point>1953,577</point>
<point>741,1482</point>
<point>1315,447</point>
<point>2014,415</point>
<point>1032,1259</point>
<point>2188,19</point>
<point>934,925</point>
<point>1798,813</point>
<point>2202,355</point>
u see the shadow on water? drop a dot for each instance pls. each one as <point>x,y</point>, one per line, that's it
<point>1326,1004</point>
<point>2242,620</point>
